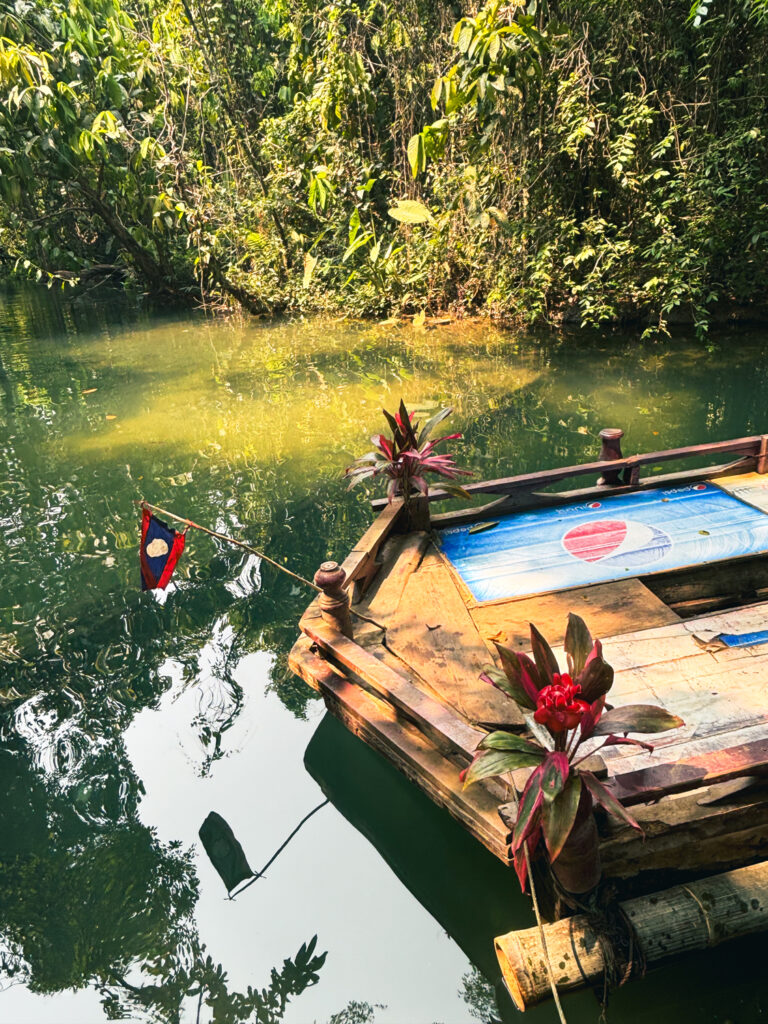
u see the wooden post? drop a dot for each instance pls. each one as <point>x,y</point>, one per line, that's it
<point>677,920</point>
<point>334,600</point>
<point>609,452</point>
<point>417,517</point>
<point>762,455</point>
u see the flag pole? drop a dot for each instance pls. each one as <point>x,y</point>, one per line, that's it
<point>230,540</point>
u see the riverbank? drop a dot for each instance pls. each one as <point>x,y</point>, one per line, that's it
<point>590,166</point>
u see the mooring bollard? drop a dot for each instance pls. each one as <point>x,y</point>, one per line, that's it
<point>334,599</point>
<point>610,452</point>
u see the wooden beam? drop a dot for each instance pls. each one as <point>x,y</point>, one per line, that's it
<point>525,500</point>
<point>657,781</point>
<point>445,729</point>
<point>376,722</point>
<point>361,565</point>
<point>748,446</point>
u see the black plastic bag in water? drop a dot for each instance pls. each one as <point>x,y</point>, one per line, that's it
<point>224,851</point>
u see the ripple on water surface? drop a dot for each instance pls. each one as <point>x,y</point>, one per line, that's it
<point>129,716</point>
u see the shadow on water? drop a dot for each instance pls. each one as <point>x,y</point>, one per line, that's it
<point>475,898</point>
<point>247,428</point>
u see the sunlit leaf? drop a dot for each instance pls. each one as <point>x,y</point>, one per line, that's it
<point>642,718</point>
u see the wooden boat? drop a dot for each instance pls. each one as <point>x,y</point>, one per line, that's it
<point>669,570</point>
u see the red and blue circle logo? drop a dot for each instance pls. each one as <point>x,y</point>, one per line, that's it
<point>617,542</point>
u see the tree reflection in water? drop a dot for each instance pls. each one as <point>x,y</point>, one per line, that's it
<point>246,428</point>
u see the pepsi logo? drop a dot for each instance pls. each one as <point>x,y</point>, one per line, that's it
<point>617,541</point>
<point>700,487</point>
<point>594,504</point>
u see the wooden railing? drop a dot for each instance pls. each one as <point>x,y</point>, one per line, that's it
<point>615,470</point>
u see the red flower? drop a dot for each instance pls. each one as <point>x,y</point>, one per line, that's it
<point>558,706</point>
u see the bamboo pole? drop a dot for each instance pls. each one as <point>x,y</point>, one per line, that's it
<point>677,920</point>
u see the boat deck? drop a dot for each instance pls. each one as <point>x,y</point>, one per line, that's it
<point>666,609</point>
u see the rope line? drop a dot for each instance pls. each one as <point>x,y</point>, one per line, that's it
<point>542,937</point>
<point>278,851</point>
<point>365,618</point>
<point>705,915</point>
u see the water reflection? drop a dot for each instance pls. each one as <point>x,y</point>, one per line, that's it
<point>246,428</point>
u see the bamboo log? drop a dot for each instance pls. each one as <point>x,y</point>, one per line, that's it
<point>677,920</point>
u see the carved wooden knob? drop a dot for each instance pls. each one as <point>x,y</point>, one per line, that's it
<point>330,577</point>
<point>334,599</point>
<point>609,452</point>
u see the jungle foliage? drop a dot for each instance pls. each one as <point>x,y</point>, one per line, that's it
<point>579,161</point>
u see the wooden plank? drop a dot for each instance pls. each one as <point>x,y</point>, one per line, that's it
<point>689,832</point>
<point>749,487</point>
<point>361,565</point>
<point>442,726</point>
<point>700,770</point>
<point>748,446</point>
<point>434,632</point>
<point>607,608</point>
<point>526,500</point>
<point>751,618</point>
<point>402,557</point>
<point>375,722</point>
<point>733,578</point>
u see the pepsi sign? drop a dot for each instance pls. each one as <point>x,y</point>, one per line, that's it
<point>607,539</point>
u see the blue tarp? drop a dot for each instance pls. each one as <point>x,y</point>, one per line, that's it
<point>608,539</point>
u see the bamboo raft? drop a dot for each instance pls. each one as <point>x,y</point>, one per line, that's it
<point>402,629</point>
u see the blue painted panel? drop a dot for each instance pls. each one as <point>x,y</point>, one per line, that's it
<point>613,538</point>
<point>744,639</point>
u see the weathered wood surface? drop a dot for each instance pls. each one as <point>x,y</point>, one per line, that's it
<point>745,446</point>
<point>656,781</point>
<point>681,919</point>
<point>709,585</point>
<point>718,827</point>
<point>362,563</point>
<point>435,634</point>
<point>606,607</point>
<point>401,558</point>
<point>441,725</point>
<point>749,487</point>
<point>376,722</point>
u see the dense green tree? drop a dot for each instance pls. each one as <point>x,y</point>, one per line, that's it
<point>555,161</point>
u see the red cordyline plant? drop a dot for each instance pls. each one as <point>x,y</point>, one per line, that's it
<point>408,455</point>
<point>563,711</point>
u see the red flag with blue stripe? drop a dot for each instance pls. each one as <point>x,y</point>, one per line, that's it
<point>160,550</point>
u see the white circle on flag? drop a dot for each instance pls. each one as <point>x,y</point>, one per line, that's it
<point>157,548</point>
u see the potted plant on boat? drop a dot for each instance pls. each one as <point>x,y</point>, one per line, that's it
<point>406,457</point>
<point>565,712</point>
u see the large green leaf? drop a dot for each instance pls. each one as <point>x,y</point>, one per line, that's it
<point>558,816</point>
<point>555,774</point>
<point>545,660</point>
<point>578,643</point>
<point>512,687</point>
<point>430,425</point>
<point>607,800</point>
<point>643,718</point>
<point>410,211</point>
<point>597,677</point>
<point>521,672</point>
<point>417,157</point>
<point>509,741</point>
<point>528,809</point>
<point>497,762</point>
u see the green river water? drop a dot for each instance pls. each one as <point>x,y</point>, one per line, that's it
<point>127,717</point>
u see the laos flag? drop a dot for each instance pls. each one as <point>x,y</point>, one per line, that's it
<point>160,550</point>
